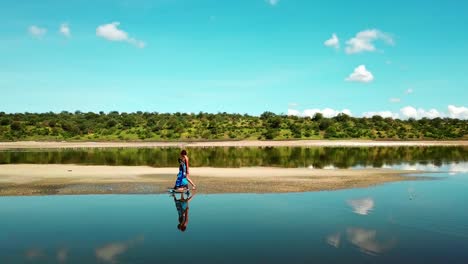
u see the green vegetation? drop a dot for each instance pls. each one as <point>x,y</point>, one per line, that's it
<point>116,126</point>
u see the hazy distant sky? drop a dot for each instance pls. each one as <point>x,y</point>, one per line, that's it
<point>405,58</point>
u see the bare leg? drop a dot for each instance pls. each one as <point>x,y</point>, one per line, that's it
<point>191,182</point>
<point>180,189</point>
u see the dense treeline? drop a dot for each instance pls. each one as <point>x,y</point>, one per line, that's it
<point>205,126</point>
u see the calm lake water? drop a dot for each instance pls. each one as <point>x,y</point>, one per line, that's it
<point>289,157</point>
<point>404,222</point>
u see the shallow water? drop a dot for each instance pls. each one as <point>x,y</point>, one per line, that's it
<point>405,222</point>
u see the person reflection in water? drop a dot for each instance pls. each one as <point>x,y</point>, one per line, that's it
<point>182,206</point>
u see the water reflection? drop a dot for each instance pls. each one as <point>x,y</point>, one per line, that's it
<point>288,157</point>
<point>109,252</point>
<point>334,240</point>
<point>451,168</point>
<point>366,241</point>
<point>34,253</point>
<point>182,206</point>
<point>62,255</point>
<point>39,254</point>
<point>362,206</point>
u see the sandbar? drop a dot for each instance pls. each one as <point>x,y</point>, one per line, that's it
<point>40,179</point>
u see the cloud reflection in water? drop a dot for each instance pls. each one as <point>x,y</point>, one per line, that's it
<point>366,241</point>
<point>362,206</point>
<point>109,252</point>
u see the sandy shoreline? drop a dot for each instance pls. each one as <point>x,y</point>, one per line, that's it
<point>32,179</point>
<point>243,143</point>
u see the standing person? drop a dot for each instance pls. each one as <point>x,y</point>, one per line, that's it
<point>183,176</point>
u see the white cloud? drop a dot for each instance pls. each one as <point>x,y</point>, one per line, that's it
<point>65,30</point>
<point>111,32</point>
<point>394,100</point>
<point>333,42</point>
<point>360,74</point>
<point>272,2</point>
<point>458,112</point>
<point>411,112</point>
<point>362,206</point>
<point>293,104</point>
<point>138,43</point>
<point>383,114</point>
<point>326,112</point>
<point>293,112</point>
<point>405,113</point>
<point>364,41</point>
<point>36,31</point>
<point>409,91</point>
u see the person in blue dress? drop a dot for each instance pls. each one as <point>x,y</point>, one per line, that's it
<point>183,178</point>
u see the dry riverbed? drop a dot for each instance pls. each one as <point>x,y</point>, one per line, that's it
<point>34,179</point>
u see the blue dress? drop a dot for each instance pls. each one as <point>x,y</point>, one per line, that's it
<point>181,181</point>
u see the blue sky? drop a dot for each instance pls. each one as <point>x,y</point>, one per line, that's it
<point>243,56</point>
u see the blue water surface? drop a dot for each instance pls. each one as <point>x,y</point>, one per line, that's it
<point>405,222</point>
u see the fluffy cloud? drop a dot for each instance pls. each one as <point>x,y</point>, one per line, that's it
<point>111,32</point>
<point>293,112</point>
<point>272,2</point>
<point>333,42</point>
<point>364,41</point>
<point>65,30</point>
<point>418,113</point>
<point>383,114</point>
<point>458,112</point>
<point>36,31</point>
<point>360,74</point>
<point>405,113</point>
<point>326,112</point>
<point>411,112</point>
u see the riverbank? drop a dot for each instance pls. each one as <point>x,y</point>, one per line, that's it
<point>242,143</point>
<point>33,179</point>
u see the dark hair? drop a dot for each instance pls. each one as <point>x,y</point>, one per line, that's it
<point>183,152</point>
<point>181,227</point>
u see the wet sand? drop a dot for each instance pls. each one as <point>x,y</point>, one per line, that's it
<point>241,143</point>
<point>34,179</point>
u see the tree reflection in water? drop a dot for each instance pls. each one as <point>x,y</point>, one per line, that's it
<point>232,157</point>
